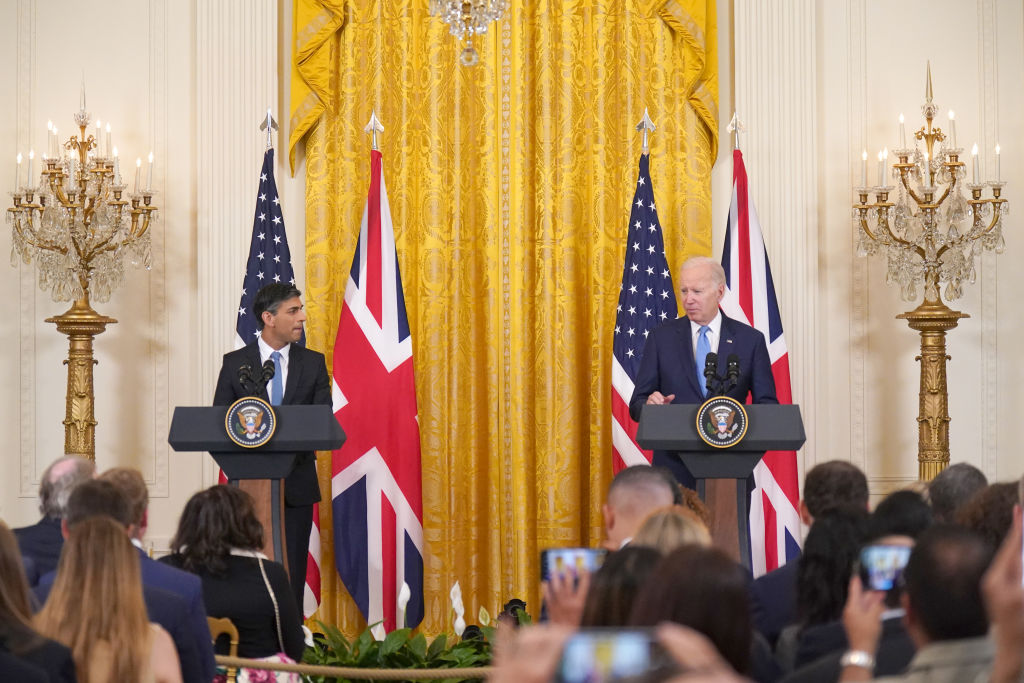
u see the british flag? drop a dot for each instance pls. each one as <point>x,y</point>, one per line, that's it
<point>646,299</point>
<point>750,297</point>
<point>376,484</point>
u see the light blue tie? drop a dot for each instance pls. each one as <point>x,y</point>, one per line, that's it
<point>703,349</point>
<point>276,384</point>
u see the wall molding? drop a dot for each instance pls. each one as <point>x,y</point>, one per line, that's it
<point>26,78</point>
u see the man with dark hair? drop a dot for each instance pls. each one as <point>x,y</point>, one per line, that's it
<point>952,487</point>
<point>945,614</point>
<point>42,542</point>
<point>186,626</point>
<point>300,377</point>
<point>831,485</point>
<point>635,492</point>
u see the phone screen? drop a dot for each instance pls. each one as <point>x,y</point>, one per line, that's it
<point>882,565</point>
<point>599,655</point>
<point>570,560</point>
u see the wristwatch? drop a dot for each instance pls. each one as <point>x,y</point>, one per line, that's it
<point>858,658</point>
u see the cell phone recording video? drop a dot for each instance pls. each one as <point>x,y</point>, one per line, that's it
<point>881,566</point>
<point>564,561</point>
<point>604,655</point>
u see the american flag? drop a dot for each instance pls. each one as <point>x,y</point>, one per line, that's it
<point>646,299</point>
<point>750,298</point>
<point>376,487</point>
<point>270,261</point>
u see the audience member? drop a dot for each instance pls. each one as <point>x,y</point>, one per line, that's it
<point>220,539</point>
<point>17,637</point>
<point>952,487</point>
<point>97,498</point>
<point>41,543</point>
<point>692,502</point>
<point>990,511</point>
<point>634,493</point>
<point>829,485</point>
<point>614,586</point>
<point>668,528</point>
<point>96,609</point>
<point>1003,592</point>
<point>945,615</point>
<point>703,589</point>
<point>823,574</point>
<point>901,513</point>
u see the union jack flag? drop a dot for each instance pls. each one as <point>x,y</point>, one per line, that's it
<point>646,299</point>
<point>750,298</point>
<point>271,261</point>
<point>376,485</point>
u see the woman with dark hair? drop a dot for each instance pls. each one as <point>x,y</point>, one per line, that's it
<point>96,608</point>
<point>702,588</point>
<point>17,636</point>
<point>989,512</point>
<point>614,586</point>
<point>220,539</point>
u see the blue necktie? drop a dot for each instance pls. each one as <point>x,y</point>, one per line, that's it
<point>276,384</point>
<point>703,349</point>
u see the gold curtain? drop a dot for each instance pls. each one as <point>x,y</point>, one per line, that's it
<point>510,184</point>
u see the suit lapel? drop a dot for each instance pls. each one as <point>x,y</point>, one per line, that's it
<point>294,372</point>
<point>686,341</point>
<point>726,343</point>
<point>253,359</point>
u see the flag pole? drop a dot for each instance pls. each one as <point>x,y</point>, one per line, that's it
<point>736,127</point>
<point>646,125</point>
<point>270,125</point>
<point>373,127</point>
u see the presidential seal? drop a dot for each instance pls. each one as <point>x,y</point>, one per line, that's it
<point>722,422</point>
<point>250,422</point>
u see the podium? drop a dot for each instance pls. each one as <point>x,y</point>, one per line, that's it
<point>259,471</point>
<point>722,473</point>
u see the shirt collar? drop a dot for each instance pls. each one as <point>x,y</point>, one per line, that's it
<point>266,350</point>
<point>715,326</point>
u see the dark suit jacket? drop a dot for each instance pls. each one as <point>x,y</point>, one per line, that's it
<point>773,601</point>
<point>42,542</point>
<point>14,669</point>
<point>895,650</point>
<point>52,658</point>
<point>668,364</point>
<point>307,384</point>
<point>168,610</point>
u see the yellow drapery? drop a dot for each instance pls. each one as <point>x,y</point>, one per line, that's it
<point>510,184</point>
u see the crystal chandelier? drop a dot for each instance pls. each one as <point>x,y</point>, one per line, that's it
<point>467,18</point>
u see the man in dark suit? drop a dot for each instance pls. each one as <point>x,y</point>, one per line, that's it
<point>672,367</point>
<point>41,543</point>
<point>300,377</point>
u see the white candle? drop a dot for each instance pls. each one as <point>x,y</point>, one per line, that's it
<point>998,175</point>
<point>138,171</point>
<point>56,144</point>
<point>903,133</point>
<point>974,156</point>
<point>952,128</point>
<point>926,175</point>
<point>881,170</point>
<point>107,145</point>
<point>83,94</point>
<point>28,178</point>
<point>17,172</point>
<point>49,139</point>
<point>864,168</point>
<point>149,174</point>
<point>99,139</point>
<point>117,168</point>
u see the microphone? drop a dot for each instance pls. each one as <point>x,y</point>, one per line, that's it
<point>245,374</point>
<point>268,372</point>
<point>732,373</point>
<point>711,377</point>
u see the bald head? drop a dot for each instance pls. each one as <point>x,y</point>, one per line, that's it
<point>58,480</point>
<point>636,492</point>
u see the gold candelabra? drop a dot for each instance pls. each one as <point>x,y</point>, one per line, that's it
<point>80,231</point>
<point>930,234</point>
<point>467,18</point>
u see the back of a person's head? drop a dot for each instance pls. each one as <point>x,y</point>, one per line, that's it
<point>704,589</point>
<point>834,484</point>
<point>826,562</point>
<point>637,482</point>
<point>58,480</point>
<point>614,586</point>
<point>214,522</point>
<point>693,503</point>
<point>989,512</point>
<point>943,582</point>
<point>132,486</point>
<point>94,498</point>
<point>668,528</point>
<point>901,513</point>
<point>952,487</point>
<point>15,609</point>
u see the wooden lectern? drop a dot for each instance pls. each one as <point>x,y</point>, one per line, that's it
<point>721,473</point>
<point>259,471</point>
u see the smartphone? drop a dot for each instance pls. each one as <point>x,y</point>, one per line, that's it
<point>599,655</point>
<point>880,566</point>
<point>570,560</point>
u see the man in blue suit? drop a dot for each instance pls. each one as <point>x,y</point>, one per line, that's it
<point>672,367</point>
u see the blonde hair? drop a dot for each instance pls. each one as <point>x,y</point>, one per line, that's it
<point>668,528</point>
<point>96,600</point>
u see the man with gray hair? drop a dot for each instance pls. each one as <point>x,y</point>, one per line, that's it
<point>953,487</point>
<point>42,542</point>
